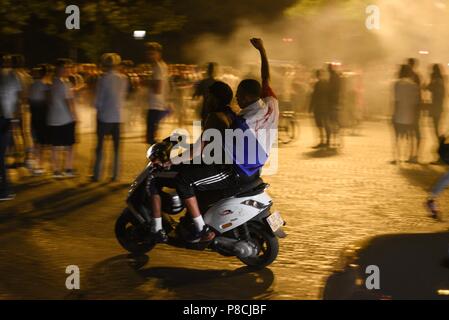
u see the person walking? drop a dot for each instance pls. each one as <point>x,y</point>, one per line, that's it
<point>158,90</point>
<point>111,91</point>
<point>61,120</point>
<point>10,92</point>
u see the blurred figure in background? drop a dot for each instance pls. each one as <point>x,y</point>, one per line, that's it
<point>406,107</point>
<point>413,64</point>
<point>437,90</point>
<point>202,89</point>
<point>61,120</point>
<point>10,91</point>
<point>319,107</point>
<point>22,140</point>
<point>334,95</point>
<point>38,95</point>
<point>416,78</point>
<point>112,88</point>
<point>158,90</point>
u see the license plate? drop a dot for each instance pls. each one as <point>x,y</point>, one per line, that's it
<point>275,221</point>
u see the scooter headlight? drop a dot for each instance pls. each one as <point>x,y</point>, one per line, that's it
<point>160,152</point>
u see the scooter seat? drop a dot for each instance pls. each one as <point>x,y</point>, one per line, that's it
<point>207,198</point>
<point>249,189</point>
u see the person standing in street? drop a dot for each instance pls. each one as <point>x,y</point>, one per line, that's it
<point>406,107</point>
<point>10,92</point>
<point>61,120</point>
<point>202,89</point>
<point>437,89</point>
<point>111,91</point>
<point>416,78</point>
<point>334,96</point>
<point>38,101</point>
<point>158,90</point>
<point>319,108</point>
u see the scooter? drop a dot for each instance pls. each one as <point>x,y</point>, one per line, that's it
<point>241,218</point>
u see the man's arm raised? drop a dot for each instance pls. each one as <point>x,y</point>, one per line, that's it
<point>265,69</point>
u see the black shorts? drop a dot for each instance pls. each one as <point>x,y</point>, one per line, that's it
<point>62,136</point>
<point>39,128</point>
<point>196,177</point>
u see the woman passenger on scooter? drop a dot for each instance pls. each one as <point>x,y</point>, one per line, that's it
<point>197,175</point>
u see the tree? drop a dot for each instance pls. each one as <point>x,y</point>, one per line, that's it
<point>101,20</point>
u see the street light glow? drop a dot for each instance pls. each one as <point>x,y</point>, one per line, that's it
<point>139,34</point>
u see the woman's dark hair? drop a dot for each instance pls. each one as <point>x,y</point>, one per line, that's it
<point>405,71</point>
<point>222,92</point>
<point>436,71</point>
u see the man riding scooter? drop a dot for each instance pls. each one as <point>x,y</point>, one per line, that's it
<point>258,117</point>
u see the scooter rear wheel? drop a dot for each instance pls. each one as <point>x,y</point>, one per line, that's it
<point>268,246</point>
<point>131,234</point>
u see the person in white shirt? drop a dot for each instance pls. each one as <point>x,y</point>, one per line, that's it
<point>112,88</point>
<point>61,120</point>
<point>406,108</point>
<point>158,90</point>
<point>10,90</point>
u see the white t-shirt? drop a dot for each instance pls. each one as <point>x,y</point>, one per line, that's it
<point>111,93</point>
<point>59,113</point>
<point>159,101</point>
<point>9,89</point>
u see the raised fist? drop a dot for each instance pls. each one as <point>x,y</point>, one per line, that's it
<point>257,43</point>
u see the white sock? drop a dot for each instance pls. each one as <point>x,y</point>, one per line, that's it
<point>157,224</point>
<point>199,223</point>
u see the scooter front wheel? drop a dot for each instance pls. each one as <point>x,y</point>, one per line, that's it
<point>267,243</point>
<point>131,234</point>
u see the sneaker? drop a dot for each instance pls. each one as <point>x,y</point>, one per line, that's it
<point>7,197</point>
<point>159,236</point>
<point>431,205</point>
<point>58,175</point>
<point>206,235</point>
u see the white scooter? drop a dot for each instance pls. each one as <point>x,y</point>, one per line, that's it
<point>241,218</point>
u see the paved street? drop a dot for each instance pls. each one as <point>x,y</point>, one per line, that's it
<point>330,202</point>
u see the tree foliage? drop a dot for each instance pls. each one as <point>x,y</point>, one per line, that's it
<point>101,20</point>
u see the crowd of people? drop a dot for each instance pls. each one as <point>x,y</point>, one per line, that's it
<point>39,107</point>
<point>415,99</point>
